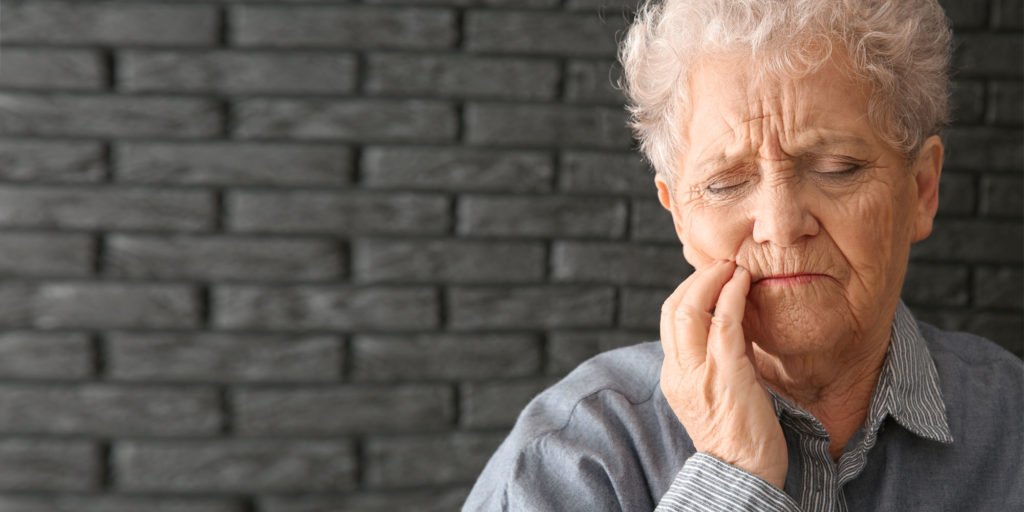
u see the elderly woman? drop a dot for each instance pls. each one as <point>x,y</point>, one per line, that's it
<point>796,146</point>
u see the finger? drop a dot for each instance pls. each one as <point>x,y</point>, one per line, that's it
<point>668,310</point>
<point>727,343</point>
<point>669,341</point>
<point>692,317</point>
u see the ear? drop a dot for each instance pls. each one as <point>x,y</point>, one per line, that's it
<point>665,198</point>
<point>927,170</point>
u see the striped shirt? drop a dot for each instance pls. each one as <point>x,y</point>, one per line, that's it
<point>944,431</point>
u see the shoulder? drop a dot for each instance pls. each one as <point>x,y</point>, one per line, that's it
<point>578,433</point>
<point>965,353</point>
<point>979,380</point>
<point>630,374</point>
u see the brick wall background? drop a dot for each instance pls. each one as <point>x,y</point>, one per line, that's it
<point>314,255</point>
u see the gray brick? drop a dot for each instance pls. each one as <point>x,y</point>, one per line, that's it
<point>104,410</point>
<point>222,257</point>
<point>1008,14</point>
<point>640,308</point>
<point>444,357</point>
<point>51,161</point>
<point>449,168</point>
<point>544,33</point>
<point>342,410</point>
<point>222,357</point>
<point>496,404</point>
<point>547,125</point>
<point>593,81</point>
<point>1002,328</point>
<point>998,287</point>
<point>530,307</point>
<point>108,23</point>
<point>52,68</point>
<point>237,72</point>
<point>600,172</point>
<point>447,260</point>
<point>989,55</point>
<point>45,254</point>
<point>395,462</point>
<point>461,76</point>
<point>966,14</point>
<point>967,101</point>
<point>605,7</point>
<point>113,503</point>
<point>337,213</point>
<point>108,115</point>
<point>1002,196</point>
<point>567,349</point>
<point>343,26</point>
<point>618,263</point>
<point>973,241</point>
<point>43,355</point>
<point>957,194</point>
<point>105,208</point>
<point>1006,103</point>
<point>472,3</point>
<point>936,285</point>
<point>358,120</point>
<point>234,163</point>
<point>234,466</point>
<point>325,307</point>
<point>48,465</point>
<point>984,149</point>
<point>114,305</point>
<point>650,222</point>
<point>432,500</point>
<point>16,307</point>
<point>541,216</point>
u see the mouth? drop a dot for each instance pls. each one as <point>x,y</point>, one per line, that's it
<point>783,280</point>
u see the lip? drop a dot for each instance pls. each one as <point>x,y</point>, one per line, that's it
<point>789,279</point>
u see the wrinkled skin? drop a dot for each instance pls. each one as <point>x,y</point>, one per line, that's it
<point>798,219</point>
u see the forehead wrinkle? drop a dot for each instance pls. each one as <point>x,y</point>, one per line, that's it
<point>723,156</point>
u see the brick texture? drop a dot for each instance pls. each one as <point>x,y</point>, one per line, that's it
<point>317,255</point>
<point>333,411</point>
<point>108,115</point>
<point>237,72</point>
<point>456,169</point>
<point>220,357</point>
<point>234,466</point>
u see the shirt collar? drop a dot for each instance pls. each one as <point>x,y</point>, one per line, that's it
<point>907,388</point>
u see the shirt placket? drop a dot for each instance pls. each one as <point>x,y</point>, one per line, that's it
<point>819,482</point>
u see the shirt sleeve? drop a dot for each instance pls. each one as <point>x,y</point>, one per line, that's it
<point>707,483</point>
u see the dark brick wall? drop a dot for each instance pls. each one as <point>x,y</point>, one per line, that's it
<point>314,255</point>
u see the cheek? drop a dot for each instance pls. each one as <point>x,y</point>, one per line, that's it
<point>869,231</point>
<point>713,235</point>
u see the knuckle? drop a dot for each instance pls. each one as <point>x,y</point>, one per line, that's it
<point>690,315</point>
<point>723,322</point>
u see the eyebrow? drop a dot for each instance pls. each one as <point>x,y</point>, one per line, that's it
<point>819,143</point>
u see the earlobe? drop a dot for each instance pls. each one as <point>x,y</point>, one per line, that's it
<point>927,171</point>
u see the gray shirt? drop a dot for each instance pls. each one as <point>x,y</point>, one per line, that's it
<point>944,431</point>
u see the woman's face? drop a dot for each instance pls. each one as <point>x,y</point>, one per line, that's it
<point>788,179</point>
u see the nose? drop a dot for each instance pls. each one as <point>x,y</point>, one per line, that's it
<point>782,217</point>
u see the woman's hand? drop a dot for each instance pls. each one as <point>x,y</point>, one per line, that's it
<point>708,376</point>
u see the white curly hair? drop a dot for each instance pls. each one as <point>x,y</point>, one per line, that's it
<point>900,48</point>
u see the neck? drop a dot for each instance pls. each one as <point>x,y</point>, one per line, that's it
<point>835,387</point>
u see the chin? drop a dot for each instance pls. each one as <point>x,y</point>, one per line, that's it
<point>786,323</point>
